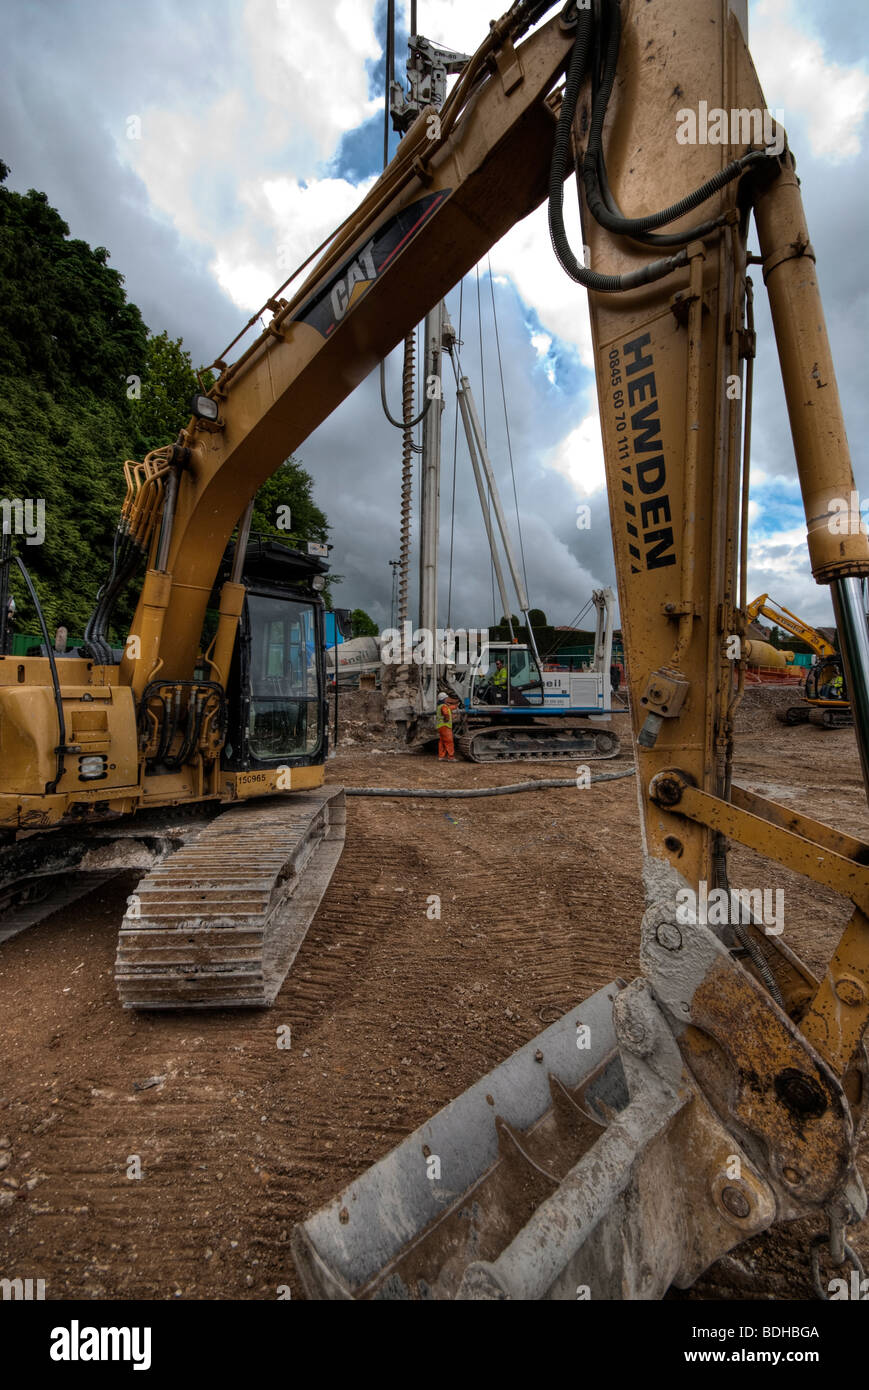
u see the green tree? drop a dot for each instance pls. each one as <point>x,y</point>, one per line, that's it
<point>161,392</point>
<point>284,507</point>
<point>503,627</point>
<point>82,388</point>
<point>362,625</point>
<point>68,340</point>
<point>64,318</point>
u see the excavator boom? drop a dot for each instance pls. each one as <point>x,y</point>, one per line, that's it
<point>783,617</point>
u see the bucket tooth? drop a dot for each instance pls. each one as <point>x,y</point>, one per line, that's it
<point>596,1100</point>
<point>512,1150</point>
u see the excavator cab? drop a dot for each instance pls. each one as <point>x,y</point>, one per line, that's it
<point>825,683</point>
<point>276,712</point>
<point>277,682</point>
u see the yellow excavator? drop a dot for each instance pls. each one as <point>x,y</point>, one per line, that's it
<point>825,689</point>
<point>663,1121</point>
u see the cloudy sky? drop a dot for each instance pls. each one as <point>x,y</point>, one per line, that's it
<point>211,146</point>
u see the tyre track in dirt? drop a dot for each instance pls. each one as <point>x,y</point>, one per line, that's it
<point>391,1015</point>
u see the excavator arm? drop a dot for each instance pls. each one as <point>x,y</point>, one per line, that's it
<point>662,1123</point>
<point>783,617</point>
<point>461,178</point>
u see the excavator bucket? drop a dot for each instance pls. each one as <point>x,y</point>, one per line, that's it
<point>561,1174</point>
<point>219,923</point>
<point>458,1189</point>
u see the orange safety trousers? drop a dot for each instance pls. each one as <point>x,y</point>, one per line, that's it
<point>446,748</point>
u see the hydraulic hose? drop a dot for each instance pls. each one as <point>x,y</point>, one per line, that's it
<point>510,789</point>
<point>590,279</point>
<point>696,233</point>
<point>633,226</point>
<point>61,749</point>
<point>399,424</point>
<point>617,222</point>
<point>599,197</point>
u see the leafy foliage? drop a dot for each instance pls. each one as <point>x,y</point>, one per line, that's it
<point>363,626</point>
<point>285,509</point>
<point>64,318</point>
<point>161,392</point>
<point>68,339</point>
<point>549,640</point>
<point>82,387</point>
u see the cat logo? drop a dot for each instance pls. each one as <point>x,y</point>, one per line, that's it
<point>361,272</point>
<point>329,306</point>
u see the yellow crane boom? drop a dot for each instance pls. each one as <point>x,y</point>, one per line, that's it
<point>783,617</point>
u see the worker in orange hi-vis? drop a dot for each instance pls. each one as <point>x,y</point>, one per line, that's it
<point>446,748</point>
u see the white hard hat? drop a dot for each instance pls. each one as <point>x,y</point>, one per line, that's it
<point>442,695</point>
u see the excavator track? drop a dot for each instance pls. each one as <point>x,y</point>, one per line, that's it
<point>219,924</point>
<point>823,718</point>
<point>536,743</point>
<point>832,718</point>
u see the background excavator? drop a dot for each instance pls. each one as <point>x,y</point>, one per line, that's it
<point>535,713</point>
<point>662,1122</point>
<point>821,705</point>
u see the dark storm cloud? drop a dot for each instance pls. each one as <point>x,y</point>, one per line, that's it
<point>73,75</point>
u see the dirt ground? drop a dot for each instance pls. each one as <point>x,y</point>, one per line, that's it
<point>391,1015</point>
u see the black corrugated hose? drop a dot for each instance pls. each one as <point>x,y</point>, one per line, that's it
<point>601,203</point>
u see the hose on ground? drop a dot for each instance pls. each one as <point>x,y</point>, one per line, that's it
<point>509,790</point>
